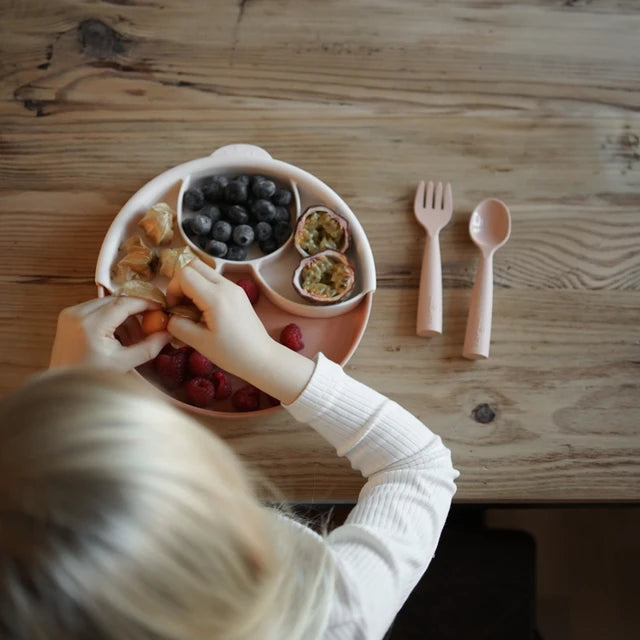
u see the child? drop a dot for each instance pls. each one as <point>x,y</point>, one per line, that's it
<point>123,519</point>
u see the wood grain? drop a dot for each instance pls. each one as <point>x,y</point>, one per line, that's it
<point>533,102</point>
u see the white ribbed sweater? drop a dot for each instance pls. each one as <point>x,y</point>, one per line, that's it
<point>390,536</point>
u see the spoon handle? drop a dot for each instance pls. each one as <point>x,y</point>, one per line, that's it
<point>478,336</point>
<point>429,320</point>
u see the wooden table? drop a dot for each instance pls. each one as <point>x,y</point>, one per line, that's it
<point>533,102</point>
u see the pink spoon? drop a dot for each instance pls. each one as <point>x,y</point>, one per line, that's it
<point>489,228</point>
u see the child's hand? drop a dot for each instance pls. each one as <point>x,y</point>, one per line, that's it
<point>86,335</point>
<point>232,335</point>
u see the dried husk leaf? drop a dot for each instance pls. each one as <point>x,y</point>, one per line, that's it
<point>134,242</point>
<point>191,312</point>
<point>138,262</point>
<point>140,289</point>
<point>158,223</point>
<point>172,260</point>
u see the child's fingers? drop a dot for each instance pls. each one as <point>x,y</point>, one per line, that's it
<point>195,286</point>
<point>89,306</point>
<point>189,332</point>
<point>119,308</point>
<point>176,291</point>
<point>205,271</point>
<point>147,349</point>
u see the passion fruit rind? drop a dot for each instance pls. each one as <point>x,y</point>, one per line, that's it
<point>324,278</point>
<point>320,228</point>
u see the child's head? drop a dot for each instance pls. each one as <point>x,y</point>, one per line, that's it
<point>120,517</point>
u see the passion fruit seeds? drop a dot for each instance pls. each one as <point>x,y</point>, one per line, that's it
<point>324,275</point>
<point>324,278</point>
<point>321,228</point>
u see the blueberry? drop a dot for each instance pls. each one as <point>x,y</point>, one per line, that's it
<point>263,188</point>
<point>193,199</point>
<point>186,226</point>
<point>221,231</point>
<point>237,214</point>
<point>282,215</point>
<point>256,179</point>
<point>202,241</point>
<point>281,198</point>
<point>263,211</point>
<point>263,231</point>
<point>281,231</point>
<point>243,235</point>
<point>236,253</point>
<point>201,224</point>
<point>236,192</point>
<point>217,249</point>
<point>244,179</point>
<point>213,188</point>
<point>268,246</point>
<point>213,212</point>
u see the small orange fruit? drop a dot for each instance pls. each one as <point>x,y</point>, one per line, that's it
<point>155,320</point>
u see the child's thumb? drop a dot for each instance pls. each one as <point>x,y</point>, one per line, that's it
<point>189,332</point>
<point>146,349</point>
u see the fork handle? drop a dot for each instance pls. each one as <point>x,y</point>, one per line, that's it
<point>429,320</point>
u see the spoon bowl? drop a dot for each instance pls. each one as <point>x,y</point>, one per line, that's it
<point>489,228</point>
<point>490,224</point>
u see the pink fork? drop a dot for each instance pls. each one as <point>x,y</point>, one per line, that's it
<point>433,212</point>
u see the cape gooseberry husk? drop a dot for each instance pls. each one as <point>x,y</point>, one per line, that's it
<point>325,277</point>
<point>318,229</point>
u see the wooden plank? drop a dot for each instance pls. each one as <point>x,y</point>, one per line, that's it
<point>413,55</point>
<point>553,160</point>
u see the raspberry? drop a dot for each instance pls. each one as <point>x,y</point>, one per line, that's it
<point>146,368</point>
<point>200,366</point>
<point>251,289</point>
<point>223,388</point>
<point>172,368</point>
<point>200,391</point>
<point>246,398</point>
<point>170,350</point>
<point>272,402</point>
<point>291,337</point>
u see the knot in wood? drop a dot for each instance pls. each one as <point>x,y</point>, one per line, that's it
<point>483,414</point>
<point>99,40</point>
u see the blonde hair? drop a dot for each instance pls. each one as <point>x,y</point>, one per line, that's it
<point>122,518</point>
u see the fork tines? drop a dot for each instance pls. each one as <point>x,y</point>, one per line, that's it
<point>431,198</point>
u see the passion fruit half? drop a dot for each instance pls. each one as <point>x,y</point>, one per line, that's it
<point>324,278</point>
<point>318,229</point>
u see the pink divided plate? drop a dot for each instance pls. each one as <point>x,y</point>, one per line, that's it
<point>335,330</point>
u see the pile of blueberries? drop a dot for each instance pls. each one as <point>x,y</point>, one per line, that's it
<point>229,214</point>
